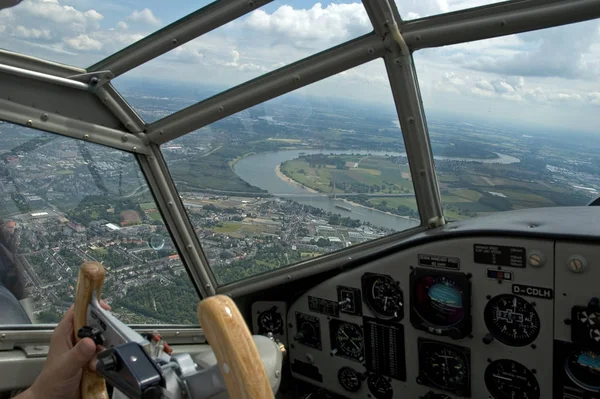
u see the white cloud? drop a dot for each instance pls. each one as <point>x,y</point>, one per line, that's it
<point>594,97</point>
<point>453,79</point>
<point>564,97</point>
<point>334,23</point>
<point>483,84</point>
<point>144,16</point>
<point>31,33</point>
<point>83,43</point>
<point>482,92</point>
<point>242,66</point>
<point>501,86</point>
<point>536,94</point>
<point>54,12</point>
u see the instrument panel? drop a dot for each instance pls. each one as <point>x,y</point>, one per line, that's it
<point>459,318</point>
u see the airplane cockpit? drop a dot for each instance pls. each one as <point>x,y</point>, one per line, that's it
<point>303,200</point>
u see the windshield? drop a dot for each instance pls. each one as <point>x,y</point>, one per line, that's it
<point>514,120</point>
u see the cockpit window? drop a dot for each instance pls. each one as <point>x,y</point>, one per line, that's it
<point>64,202</point>
<point>300,176</point>
<point>514,120</point>
<point>266,39</point>
<point>82,33</point>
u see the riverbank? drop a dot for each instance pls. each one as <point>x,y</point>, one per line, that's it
<point>377,210</point>
<point>291,181</point>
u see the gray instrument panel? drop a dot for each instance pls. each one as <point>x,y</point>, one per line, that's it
<point>351,330</point>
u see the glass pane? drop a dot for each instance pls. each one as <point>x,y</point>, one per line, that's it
<point>65,201</point>
<point>82,33</point>
<point>413,9</point>
<point>297,177</point>
<point>514,120</point>
<point>266,39</point>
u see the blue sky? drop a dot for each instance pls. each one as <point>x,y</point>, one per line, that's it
<point>548,78</point>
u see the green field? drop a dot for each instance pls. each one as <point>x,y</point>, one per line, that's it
<point>148,205</point>
<point>350,174</point>
<point>154,215</point>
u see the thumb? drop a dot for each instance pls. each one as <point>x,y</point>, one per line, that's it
<point>78,357</point>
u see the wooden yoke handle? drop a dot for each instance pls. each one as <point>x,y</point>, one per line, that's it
<point>90,278</point>
<point>235,350</point>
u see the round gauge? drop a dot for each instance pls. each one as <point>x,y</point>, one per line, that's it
<point>507,379</point>
<point>349,379</point>
<point>583,368</point>
<point>383,296</point>
<point>445,367</point>
<point>348,340</point>
<point>380,387</point>
<point>512,320</point>
<point>439,300</point>
<point>309,330</point>
<point>270,321</point>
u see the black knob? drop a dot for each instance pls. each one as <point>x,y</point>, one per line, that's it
<point>91,332</point>
<point>107,362</point>
<point>488,338</point>
<point>152,393</point>
<point>299,335</point>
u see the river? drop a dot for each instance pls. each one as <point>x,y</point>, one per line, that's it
<point>259,170</point>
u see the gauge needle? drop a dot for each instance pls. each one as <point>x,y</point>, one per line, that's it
<point>385,304</point>
<point>502,378</point>
<point>350,339</point>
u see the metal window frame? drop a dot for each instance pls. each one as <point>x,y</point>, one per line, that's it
<point>472,24</point>
<point>176,34</point>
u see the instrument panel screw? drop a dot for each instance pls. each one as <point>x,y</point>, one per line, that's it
<point>86,136</point>
<point>576,263</point>
<point>371,50</point>
<point>29,122</point>
<point>536,260</point>
<point>251,3</point>
<point>174,42</point>
<point>94,80</point>
<point>44,117</point>
<point>124,138</point>
<point>277,373</point>
<point>2,337</point>
<point>221,109</point>
<point>134,148</point>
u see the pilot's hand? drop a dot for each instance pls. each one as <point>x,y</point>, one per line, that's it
<point>61,376</point>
